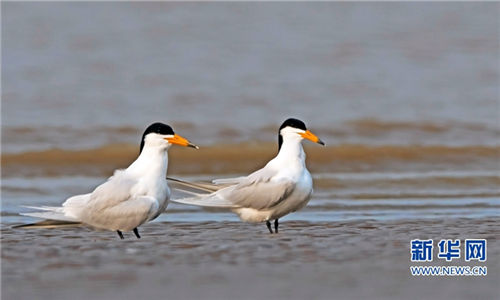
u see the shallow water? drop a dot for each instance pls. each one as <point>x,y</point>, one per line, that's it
<point>337,196</point>
<point>405,95</point>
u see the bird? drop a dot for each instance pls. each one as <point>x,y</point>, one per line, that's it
<point>282,186</point>
<point>129,198</point>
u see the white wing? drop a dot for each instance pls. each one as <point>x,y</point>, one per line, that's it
<point>113,205</point>
<point>124,216</point>
<point>258,190</point>
<point>116,190</point>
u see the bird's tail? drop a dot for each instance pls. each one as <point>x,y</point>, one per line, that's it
<point>211,200</point>
<point>197,187</point>
<point>199,194</point>
<point>49,224</point>
<point>54,217</point>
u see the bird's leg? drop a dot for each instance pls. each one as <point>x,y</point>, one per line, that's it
<point>120,234</point>
<point>276,226</point>
<point>268,224</point>
<point>136,232</point>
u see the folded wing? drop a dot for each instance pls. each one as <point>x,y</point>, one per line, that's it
<point>258,191</point>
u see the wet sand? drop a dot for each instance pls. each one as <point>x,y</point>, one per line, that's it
<point>240,158</point>
<point>233,260</point>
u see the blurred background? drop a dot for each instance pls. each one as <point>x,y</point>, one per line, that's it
<point>83,75</point>
<point>405,95</point>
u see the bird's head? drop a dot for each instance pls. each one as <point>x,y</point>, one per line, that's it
<point>163,136</point>
<point>296,129</point>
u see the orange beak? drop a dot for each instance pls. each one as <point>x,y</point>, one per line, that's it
<point>179,140</point>
<point>312,137</point>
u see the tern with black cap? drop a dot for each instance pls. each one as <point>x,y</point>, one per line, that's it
<point>282,186</point>
<point>129,198</point>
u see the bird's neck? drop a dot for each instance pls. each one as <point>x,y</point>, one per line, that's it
<point>153,161</point>
<point>291,150</point>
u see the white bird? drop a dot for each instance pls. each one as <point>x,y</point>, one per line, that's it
<point>282,186</point>
<point>129,198</point>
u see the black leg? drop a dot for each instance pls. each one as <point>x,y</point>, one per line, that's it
<point>136,232</point>
<point>120,234</point>
<point>276,226</point>
<point>268,224</point>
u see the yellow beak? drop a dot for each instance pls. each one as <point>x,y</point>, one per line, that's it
<point>312,137</point>
<point>179,140</point>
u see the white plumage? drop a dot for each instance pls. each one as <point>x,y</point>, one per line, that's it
<point>129,198</point>
<point>282,186</point>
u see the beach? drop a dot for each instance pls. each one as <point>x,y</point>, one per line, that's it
<point>234,260</point>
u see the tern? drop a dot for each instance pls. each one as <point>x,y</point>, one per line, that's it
<point>282,186</point>
<point>129,198</point>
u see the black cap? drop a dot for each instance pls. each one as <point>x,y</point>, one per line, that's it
<point>295,123</point>
<point>159,128</point>
<point>291,122</point>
